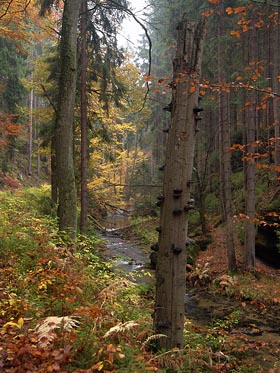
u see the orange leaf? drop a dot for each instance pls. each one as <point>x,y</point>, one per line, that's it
<point>229,10</point>
<point>148,78</point>
<point>192,89</point>
<point>214,1</point>
<point>208,13</point>
<point>235,33</point>
<point>239,9</point>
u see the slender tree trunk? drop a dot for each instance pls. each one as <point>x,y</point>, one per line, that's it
<point>232,266</point>
<point>54,186</point>
<point>36,136</point>
<point>249,163</point>
<point>225,152</point>
<point>67,210</point>
<point>30,132</point>
<point>171,264</point>
<point>84,145</point>
<point>276,100</point>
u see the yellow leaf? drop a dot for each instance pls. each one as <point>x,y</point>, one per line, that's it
<point>10,323</point>
<point>20,322</point>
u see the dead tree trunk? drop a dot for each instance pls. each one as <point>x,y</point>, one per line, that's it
<point>171,263</point>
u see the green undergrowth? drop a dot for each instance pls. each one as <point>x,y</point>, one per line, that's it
<point>144,229</point>
<point>44,279</point>
<point>63,309</point>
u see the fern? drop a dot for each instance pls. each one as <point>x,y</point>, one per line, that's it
<point>172,359</point>
<point>121,329</point>
<point>108,295</point>
<point>45,330</point>
<point>152,338</point>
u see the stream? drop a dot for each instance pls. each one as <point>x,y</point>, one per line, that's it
<point>203,308</point>
<point>127,257</point>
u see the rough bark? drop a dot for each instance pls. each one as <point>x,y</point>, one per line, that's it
<point>84,145</point>
<point>171,264</point>
<point>67,209</point>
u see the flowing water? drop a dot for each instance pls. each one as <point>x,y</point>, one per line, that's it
<point>202,307</point>
<point>126,256</point>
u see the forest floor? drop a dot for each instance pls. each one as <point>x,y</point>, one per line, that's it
<point>245,305</point>
<point>237,314</point>
<point>64,309</point>
<point>216,254</point>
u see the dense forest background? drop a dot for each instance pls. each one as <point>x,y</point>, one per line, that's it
<point>86,121</point>
<point>120,128</point>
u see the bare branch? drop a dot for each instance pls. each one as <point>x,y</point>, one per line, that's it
<point>130,13</point>
<point>48,97</point>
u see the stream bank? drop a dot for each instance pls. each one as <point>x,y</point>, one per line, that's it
<point>215,315</point>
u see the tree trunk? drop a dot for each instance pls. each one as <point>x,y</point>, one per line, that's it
<point>84,145</point>
<point>54,186</point>
<point>67,210</point>
<point>276,100</point>
<point>171,264</point>
<point>225,152</point>
<point>249,163</point>
<point>30,132</point>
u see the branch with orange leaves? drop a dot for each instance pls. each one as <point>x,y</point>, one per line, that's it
<point>234,85</point>
<point>183,77</point>
<point>259,220</point>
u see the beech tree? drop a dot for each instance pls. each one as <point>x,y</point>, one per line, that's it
<point>171,263</point>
